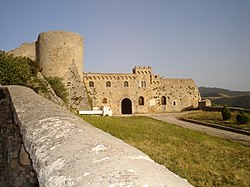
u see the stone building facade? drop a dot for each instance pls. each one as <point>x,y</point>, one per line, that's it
<point>60,53</point>
<point>140,92</point>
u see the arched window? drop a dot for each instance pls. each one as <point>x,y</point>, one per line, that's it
<point>104,100</point>
<point>163,100</point>
<point>108,84</point>
<point>141,100</point>
<point>125,83</point>
<point>91,84</point>
<point>174,103</point>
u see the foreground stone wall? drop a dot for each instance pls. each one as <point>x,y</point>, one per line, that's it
<point>15,165</point>
<point>67,151</point>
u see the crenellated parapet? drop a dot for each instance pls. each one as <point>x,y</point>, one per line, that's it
<point>107,76</point>
<point>144,70</point>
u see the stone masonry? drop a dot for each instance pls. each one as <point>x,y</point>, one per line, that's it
<point>141,92</point>
<point>67,151</point>
<point>60,53</point>
<point>15,165</point>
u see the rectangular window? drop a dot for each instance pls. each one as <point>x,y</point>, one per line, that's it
<point>143,83</point>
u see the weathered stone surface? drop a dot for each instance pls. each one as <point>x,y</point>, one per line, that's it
<point>15,165</point>
<point>24,157</point>
<point>159,94</point>
<point>60,54</point>
<point>66,151</point>
<point>26,49</point>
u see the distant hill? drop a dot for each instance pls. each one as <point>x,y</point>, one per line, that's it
<point>237,101</point>
<point>220,96</point>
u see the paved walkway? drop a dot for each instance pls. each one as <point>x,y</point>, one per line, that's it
<point>172,118</point>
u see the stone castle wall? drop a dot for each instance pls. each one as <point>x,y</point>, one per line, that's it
<point>180,94</point>
<point>60,53</point>
<point>147,92</point>
<point>26,49</point>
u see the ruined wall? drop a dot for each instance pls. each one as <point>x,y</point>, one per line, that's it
<point>67,151</point>
<point>26,49</point>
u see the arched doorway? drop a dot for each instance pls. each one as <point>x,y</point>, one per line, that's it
<point>126,106</point>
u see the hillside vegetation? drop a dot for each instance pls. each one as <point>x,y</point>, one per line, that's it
<point>220,96</point>
<point>18,70</point>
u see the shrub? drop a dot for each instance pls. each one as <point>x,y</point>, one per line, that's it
<point>38,85</point>
<point>16,70</point>
<point>58,87</point>
<point>225,112</point>
<point>242,118</point>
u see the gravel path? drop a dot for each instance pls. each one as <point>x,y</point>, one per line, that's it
<point>172,118</point>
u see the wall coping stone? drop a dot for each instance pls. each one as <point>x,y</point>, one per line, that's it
<point>67,151</point>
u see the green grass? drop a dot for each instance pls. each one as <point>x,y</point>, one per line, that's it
<point>215,117</point>
<point>202,159</point>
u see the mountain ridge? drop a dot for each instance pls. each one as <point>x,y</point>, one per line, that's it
<point>210,91</point>
<point>221,96</point>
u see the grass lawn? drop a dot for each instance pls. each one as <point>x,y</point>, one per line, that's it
<point>202,159</point>
<point>215,117</point>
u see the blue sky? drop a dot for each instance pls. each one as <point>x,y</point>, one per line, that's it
<point>207,40</point>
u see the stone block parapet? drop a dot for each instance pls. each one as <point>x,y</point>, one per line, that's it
<point>67,151</point>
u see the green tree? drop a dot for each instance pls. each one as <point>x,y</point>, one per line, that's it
<point>225,112</point>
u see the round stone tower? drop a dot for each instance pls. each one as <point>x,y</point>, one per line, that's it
<point>57,51</point>
<point>60,54</point>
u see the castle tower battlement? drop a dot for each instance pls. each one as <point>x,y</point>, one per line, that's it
<point>142,70</point>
